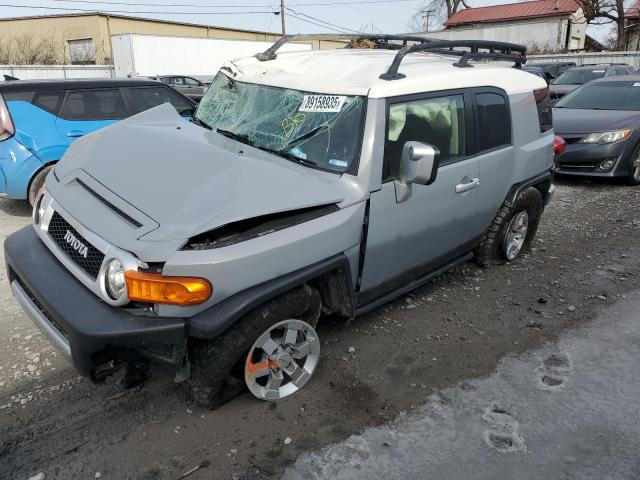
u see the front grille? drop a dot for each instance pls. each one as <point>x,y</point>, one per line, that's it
<point>43,310</point>
<point>91,262</point>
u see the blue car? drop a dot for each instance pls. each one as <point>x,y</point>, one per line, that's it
<point>40,119</point>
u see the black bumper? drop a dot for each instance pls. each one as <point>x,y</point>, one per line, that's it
<point>67,312</point>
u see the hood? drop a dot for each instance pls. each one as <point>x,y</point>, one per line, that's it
<point>562,89</point>
<point>569,120</point>
<point>176,179</point>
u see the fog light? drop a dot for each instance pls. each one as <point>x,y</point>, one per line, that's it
<point>114,279</point>
<point>606,165</point>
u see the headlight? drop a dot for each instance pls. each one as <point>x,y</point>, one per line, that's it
<point>114,279</point>
<point>606,137</point>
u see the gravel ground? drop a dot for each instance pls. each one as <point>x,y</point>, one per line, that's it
<point>454,329</point>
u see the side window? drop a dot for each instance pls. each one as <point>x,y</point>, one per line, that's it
<point>94,105</point>
<point>49,101</point>
<point>177,81</point>
<point>622,71</point>
<point>545,118</point>
<point>144,98</point>
<point>191,82</point>
<point>493,129</point>
<point>439,122</point>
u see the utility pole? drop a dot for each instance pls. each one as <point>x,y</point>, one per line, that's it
<point>426,14</point>
<point>282,17</point>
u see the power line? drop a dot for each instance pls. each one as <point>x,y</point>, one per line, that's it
<point>314,23</point>
<point>137,11</point>
<point>193,5</point>
<point>342,29</point>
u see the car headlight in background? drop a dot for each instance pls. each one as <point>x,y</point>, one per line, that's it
<point>114,279</point>
<point>606,137</point>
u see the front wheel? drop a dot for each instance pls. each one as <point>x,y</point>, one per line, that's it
<point>273,351</point>
<point>512,229</point>
<point>633,178</point>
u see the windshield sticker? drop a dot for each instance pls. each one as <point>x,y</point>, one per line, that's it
<point>322,103</point>
<point>598,71</point>
<point>289,124</point>
<point>297,152</point>
<point>338,163</point>
<point>637,84</point>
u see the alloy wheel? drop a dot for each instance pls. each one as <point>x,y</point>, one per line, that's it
<point>516,235</point>
<point>282,360</point>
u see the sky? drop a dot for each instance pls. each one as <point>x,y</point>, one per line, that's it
<point>302,16</point>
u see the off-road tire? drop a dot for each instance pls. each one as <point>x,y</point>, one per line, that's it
<point>217,366</point>
<point>36,184</point>
<point>489,250</point>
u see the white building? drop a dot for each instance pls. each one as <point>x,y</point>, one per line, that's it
<point>541,25</point>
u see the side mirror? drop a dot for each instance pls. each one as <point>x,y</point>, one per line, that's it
<point>417,165</point>
<point>187,112</point>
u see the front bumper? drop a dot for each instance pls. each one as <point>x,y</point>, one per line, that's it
<point>583,159</point>
<point>85,329</point>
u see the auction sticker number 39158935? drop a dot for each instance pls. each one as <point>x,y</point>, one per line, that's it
<point>322,103</point>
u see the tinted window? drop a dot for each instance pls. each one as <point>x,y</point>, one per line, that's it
<point>573,77</point>
<point>622,71</point>
<point>494,124</point>
<point>619,95</point>
<point>94,105</point>
<point>144,98</point>
<point>435,121</point>
<point>49,101</point>
<point>191,82</point>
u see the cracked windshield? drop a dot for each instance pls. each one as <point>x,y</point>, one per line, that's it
<point>318,130</point>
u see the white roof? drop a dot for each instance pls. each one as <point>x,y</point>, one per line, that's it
<point>357,72</point>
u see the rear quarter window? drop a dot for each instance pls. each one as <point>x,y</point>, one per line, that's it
<point>106,104</point>
<point>493,121</point>
<point>544,109</point>
<point>49,101</point>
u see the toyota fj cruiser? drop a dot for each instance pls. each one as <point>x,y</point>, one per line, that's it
<point>307,183</point>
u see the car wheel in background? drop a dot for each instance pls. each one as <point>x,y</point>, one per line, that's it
<point>634,169</point>
<point>512,229</point>
<point>36,184</point>
<point>278,336</point>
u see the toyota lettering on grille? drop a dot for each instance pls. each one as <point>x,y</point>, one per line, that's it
<point>76,244</point>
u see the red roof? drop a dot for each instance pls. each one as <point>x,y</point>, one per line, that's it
<point>514,11</point>
<point>634,11</point>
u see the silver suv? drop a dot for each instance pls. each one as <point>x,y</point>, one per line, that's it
<point>308,183</point>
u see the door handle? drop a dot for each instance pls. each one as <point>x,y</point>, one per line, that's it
<point>470,185</point>
<point>75,133</point>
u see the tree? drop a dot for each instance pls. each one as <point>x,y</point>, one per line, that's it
<point>610,11</point>
<point>440,10</point>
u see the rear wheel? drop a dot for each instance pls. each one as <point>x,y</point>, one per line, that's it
<point>273,351</point>
<point>512,229</point>
<point>36,184</point>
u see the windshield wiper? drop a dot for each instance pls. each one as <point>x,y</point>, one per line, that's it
<point>235,136</point>
<point>200,123</point>
<point>306,136</point>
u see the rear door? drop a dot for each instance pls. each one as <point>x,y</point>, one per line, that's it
<point>85,111</point>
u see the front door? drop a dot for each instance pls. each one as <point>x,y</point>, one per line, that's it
<point>407,238</point>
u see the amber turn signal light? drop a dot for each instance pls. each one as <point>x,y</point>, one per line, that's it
<point>156,288</point>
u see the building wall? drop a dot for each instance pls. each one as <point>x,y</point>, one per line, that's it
<point>543,34</point>
<point>99,28</point>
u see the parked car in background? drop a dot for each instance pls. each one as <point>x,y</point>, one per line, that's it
<point>574,77</point>
<point>189,86</point>
<point>553,70</point>
<point>330,194</point>
<point>535,70</point>
<point>39,119</point>
<point>600,123</point>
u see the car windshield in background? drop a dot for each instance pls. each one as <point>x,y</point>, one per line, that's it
<point>318,130</point>
<point>603,96</point>
<point>578,77</point>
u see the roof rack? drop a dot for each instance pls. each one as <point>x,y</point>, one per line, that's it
<point>406,44</point>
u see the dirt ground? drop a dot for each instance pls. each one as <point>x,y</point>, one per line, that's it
<point>456,328</point>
